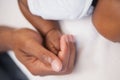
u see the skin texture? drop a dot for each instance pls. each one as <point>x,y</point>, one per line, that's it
<point>28,44</point>
<point>28,48</point>
<point>106,19</point>
<point>48,28</point>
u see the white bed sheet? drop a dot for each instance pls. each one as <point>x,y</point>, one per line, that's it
<point>97,58</point>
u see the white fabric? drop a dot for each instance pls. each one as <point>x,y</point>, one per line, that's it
<point>97,58</point>
<point>60,9</point>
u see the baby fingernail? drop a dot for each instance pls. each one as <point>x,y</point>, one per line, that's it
<point>56,66</point>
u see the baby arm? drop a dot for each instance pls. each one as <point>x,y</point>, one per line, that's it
<point>106,19</point>
<point>49,29</point>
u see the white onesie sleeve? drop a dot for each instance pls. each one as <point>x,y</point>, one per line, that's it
<point>59,9</point>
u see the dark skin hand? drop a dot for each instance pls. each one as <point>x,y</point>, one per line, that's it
<point>28,48</point>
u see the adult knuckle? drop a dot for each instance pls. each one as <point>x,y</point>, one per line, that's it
<point>27,43</point>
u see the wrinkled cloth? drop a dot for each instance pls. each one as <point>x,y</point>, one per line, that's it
<point>60,9</point>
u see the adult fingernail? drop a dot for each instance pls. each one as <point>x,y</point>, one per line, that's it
<point>56,66</point>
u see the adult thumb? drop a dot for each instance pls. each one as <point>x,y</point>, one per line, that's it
<point>45,56</point>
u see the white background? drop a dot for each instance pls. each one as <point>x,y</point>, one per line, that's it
<point>97,58</point>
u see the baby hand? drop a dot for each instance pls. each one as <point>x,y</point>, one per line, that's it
<point>53,40</point>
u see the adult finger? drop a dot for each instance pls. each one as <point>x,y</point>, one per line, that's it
<point>33,64</point>
<point>36,49</point>
<point>64,54</point>
<point>72,53</point>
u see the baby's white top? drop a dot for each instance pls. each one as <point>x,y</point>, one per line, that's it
<point>60,9</point>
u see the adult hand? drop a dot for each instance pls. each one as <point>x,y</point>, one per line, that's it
<point>28,48</point>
